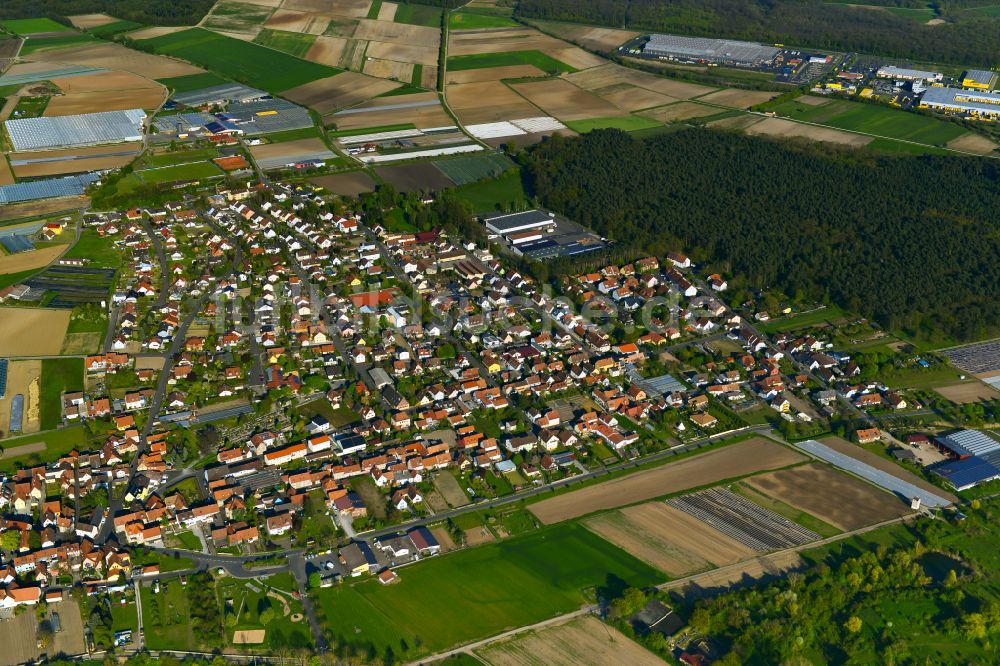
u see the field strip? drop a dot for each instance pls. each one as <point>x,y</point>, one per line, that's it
<point>679,582</point>
<point>874,136</point>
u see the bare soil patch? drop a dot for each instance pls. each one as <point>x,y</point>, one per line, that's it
<point>668,539</point>
<point>42,207</point>
<point>107,100</point>
<point>340,91</point>
<point>448,486</point>
<point>289,150</point>
<point>414,177</point>
<point>114,56</point>
<point>738,98</point>
<point>581,642</point>
<point>6,175</point>
<point>159,31</point>
<point>380,113</point>
<point>878,462</point>
<point>26,261</point>
<point>565,101</point>
<point>429,76</point>
<point>326,50</point>
<point>633,98</point>
<point>249,636</point>
<point>488,102</point>
<point>520,39</point>
<point>610,74</point>
<point>973,143</point>
<point>493,74</point>
<point>424,55</point>
<point>738,123</point>
<point>478,536</point>
<point>32,331</point>
<point>841,500</point>
<point>22,379</point>
<point>387,12</point>
<point>679,111</point>
<point>347,184</point>
<point>397,33</point>
<point>91,151</point>
<point>86,21</point>
<point>71,166</point>
<point>968,392</point>
<point>70,640</point>
<point>747,457</point>
<point>444,539</point>
<point>783,128</point>
<point>149,363</point>
<point>351,8</point>
<point>594,39</point>
<point>388,69</point>
<point>310,23</point>
<point>103,81</point>
<point>81,343</point>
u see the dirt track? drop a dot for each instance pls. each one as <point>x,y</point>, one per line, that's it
<point>735,460</point>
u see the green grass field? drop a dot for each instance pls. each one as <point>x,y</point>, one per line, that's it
<point>33,26</point>
<point>472,20</point>
<point>193,81</point>
<point>100,250</point>
<point>193,171</point>
<point>57,444</point>
<point>872,119</point>
<point>505,192</point>
<point>292,43</point>
<point>280,630</point>
<point>801,320</point>
<point>59,375</point>
<point>625,123</point>
<point>243,61</point>
<point>465,170</point>
<point>167,619</point>
<point>483,60</point>
<point>150,161</point>
<point>481,591</point>
<point>34,44</point>
<point>418,15</point>
<point>114,28</point>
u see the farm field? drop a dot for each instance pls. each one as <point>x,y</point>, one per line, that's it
<point>237,16</point>
<point>32,331</point>
<point>586,640</point>
<point>292,43</point>
<point>567,102</point>
<point>344,90</point>
<point>679,111</point>
<point>32,26</point>
<point>24,379</point>
<point>483,196</point>
<point>625,123</point>
<point>966,392</point>
<point>478,592</point>
<point>31,259</point>
<point>421,110</point>
<point>464,170</point>
<point>536,59</point>
<point>589,37</point>
<point>59,375</point>
<point>611,75</point>
<point>781,127</point>
<point>493,74</point>
<point>191,82</point>
<point>54,43</point>
<point>473,20</point>
<point>242,61</point>
<point>68,166</point>
<point>845,502</point>
<point>516,40</point>
<point>43,446</point>
<point>488,102</point>
<point>348,184</point>
<point>105,55</point>
<point>668,539</point>
<point>421,176</point>
<point>179,172</point>
<point>731,461</point>
<point>412,14</point>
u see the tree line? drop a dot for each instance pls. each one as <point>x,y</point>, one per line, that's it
<point>156,12</point>
<point>966,37</point>
<point>911,242</point>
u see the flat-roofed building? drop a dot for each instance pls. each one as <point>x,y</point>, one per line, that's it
<point>510,223</point>
<point>904,74</point>
<point>956,100</point>
<point>979,79</point>
<point>702,49</point>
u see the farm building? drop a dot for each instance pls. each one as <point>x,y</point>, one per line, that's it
<point>87,129</point>
<point>979,79</point>
<point>512,223</point>
<point>904,74</point>
<point>701,49</point>
<point>956,100</point>
<point>976,458</point>
<point>222,94</point>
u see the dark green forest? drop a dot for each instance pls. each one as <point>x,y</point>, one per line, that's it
<point>967,37</point>
<point>156,12</point>
<point>911,242</point>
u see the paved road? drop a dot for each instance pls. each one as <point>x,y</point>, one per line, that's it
<point>161,256</point>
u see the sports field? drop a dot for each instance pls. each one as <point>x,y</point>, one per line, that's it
<point>479,592</point>
<point>243,61</point>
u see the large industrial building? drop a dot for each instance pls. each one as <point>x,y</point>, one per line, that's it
<point>956,100</point>
<point>507,224</point>
<point>904,74</point>
<point>87,129</point>
<point>979,79</point>
<point>719,51</point>
<point>976,458</point>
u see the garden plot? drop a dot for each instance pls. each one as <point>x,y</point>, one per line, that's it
<point>276,155</point>
<point>494,74</point>
<point>565,101</point>
<point>838,499</point>
<point>488,102</point>
<point>610,74</point>
<point>326,51</point>
<point>732,461</point>
<point>581,642</point>
<point>422,110</point>
<point>310,23</point>
<point>114,56</point>
<point>32,331</point>
<point>337,92</point>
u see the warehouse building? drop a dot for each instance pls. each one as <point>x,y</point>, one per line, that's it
<point>904,74</point>
<point>87,129</point>
<point>979,79</point>
<point>719,51</point>
<point>218,95</point>
<point>976,458</point>
<point>505,224</point>
<point>956,100</point>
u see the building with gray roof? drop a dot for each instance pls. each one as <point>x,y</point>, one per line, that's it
<point>702,49</point>
<point>956,100</point>
<point>87,129</point>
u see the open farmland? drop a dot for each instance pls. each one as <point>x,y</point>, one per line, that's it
<point>565,101</point>
<point>291,43</point>
<point>464,170</point>
<point>344,90</point>
<point>305,23</point>
<point>242,61</point>
<point>732,461</point>
<point>520,41</point>
<point>973,143</point>
<point>273,155</point>
<point>738,98</point>
<point>347,184</point>
<point>583,641</point>
<point>23,379</point>
<point>32,331</point>
<point>419,177</point>
<point>598,78</point>
<point>421,110</point>
<point>589,37</point>
<point>237,17</point>
<point>488,102</point>
<point>26,261</point>
<point>480,591</point>
<point>967,392</point>
<point>105,100</point>
<point>839,499</point>
<point>668,539</point>
<point>679,111</point>
<point>116,57</point>
<point>87,21</point>
<point>781,127</point>
<point>326,50</point>
<point>493,74</point>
